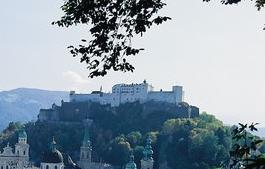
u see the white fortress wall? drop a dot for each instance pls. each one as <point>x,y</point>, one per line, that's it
<point>84,97</point>
<point>124,93</point>
<point>166,96</point>
<point>179,93</point>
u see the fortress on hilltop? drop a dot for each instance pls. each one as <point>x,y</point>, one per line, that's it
<point>125,93</point>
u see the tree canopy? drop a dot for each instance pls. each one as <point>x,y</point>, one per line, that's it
<point>112,25</point>
<point>258,3</point>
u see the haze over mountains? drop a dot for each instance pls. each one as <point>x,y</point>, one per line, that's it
<point>23,104</point>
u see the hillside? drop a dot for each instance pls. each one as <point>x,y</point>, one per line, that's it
<point>23,104</point>
<point>199,143</point>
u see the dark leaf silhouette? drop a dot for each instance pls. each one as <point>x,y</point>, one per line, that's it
<point>114,24</point>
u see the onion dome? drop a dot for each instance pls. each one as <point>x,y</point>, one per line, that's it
<point>53,155</point>
<point>22,134</point>
<point>131,164</point>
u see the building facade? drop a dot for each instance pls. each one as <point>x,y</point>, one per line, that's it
<point>17,158</point>
<point>125,93</point>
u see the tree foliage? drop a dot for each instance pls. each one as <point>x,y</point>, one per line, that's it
<point>258,3</point>
<point>114,24</point>
<point>245,152</point>
<point>200,142</point>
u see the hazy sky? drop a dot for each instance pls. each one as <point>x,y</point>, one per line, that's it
<point>216,52</point>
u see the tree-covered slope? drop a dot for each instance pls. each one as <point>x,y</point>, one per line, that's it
<point>202,142</point>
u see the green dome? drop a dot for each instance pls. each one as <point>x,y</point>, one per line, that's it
<point>22,134</point>
<point>131,164</point>
<point>52,155</point>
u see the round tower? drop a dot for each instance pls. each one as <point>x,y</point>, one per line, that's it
<point>147,162</point>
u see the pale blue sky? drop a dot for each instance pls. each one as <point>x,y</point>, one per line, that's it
<point>216,52</point>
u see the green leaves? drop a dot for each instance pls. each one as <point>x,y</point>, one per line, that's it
<point>114,24</point>
<point>258,3</point>
<point>243,152</point>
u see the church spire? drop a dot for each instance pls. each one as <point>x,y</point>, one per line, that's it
<point>148,152</point>
<point>86,139</point>
<point>131,164</point>
<point>147,162</point>
<point>53,145</point>
<point>86,148</point>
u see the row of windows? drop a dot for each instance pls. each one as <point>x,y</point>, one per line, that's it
<point>7,167</point>
<point>127,89</point>
<point>24,152</point>
<point>48,167</point>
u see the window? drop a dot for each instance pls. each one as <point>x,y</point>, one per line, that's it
<point>56,167</point>
<point>24,152</point>
<point>2,167</point>
<point>17,152</point>
<point>7,167</point>
<point>83,155</point>
<point>47,167</point>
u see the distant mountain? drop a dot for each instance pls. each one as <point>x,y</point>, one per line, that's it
<point>261,132</point>
<point>23,104</point>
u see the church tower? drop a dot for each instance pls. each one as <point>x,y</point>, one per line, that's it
<point>147,162</point>
<point>85,149</point>
<point>22,147</point>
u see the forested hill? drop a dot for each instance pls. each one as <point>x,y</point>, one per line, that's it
<point>23,104</point>
<point>202,142</point>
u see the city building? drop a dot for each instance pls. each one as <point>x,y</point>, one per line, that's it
<point>124,93</point>
<point>17,158</point>
<point>147,162</point>
<point>54,159</point>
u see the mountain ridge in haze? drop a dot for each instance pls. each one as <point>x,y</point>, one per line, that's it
<point>23,104</point>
